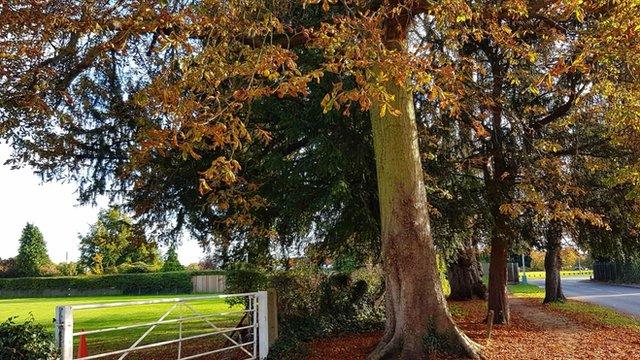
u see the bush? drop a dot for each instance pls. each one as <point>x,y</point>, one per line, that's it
<point>26,341</point>
<point>129,284</point>
<point>49,269</point>
<point>8,268</point>
<point>68,269</point>
<point>244,278</point>
<point>298,292</point>
<point>136,268</point>
<point>288,348</point>
<point>338,295</point>
<point>312,304</point>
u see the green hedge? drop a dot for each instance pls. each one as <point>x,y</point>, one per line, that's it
<point>621,272</point>
<point>129,284</point>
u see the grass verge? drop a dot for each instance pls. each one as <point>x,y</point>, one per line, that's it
<point>526,291</point>
<point>595,314</point>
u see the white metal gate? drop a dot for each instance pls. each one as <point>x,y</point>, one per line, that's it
<point>256,311</point>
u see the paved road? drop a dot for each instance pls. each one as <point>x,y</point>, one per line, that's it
<point>621,298</point>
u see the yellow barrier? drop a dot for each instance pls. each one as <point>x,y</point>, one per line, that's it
<point>568,273</point>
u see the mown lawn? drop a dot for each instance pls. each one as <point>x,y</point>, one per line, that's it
<point>42,310</point>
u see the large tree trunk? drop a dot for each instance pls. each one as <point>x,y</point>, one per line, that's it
<point>498,300</point>
<point>499,181</point>
<point>465,275</point>
<point>415,305</point>
<point>553,264</point>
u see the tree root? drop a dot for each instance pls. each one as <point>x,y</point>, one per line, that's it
<point>387,349</point>
<point>393,348</point>
<point>470,348</point>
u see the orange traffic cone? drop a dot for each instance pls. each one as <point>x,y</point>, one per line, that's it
<point>82,347</point>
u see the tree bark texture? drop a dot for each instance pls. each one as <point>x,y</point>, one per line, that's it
<point>553,264</point>
<point>465,275</point>
<point>498,300</point>
<point>415,304</point>
<point>499,182</point>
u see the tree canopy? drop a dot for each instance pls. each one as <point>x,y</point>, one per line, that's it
<point>113,241</point>
<point>113,93</point>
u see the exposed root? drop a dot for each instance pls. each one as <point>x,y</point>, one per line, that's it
<point>470,348</point>
<point>397,348</point>
<point>387,350</point>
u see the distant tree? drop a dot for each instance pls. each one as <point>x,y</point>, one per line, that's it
<point>537,260</point>
<point>171,261</point>
<point>193,267</point>
<point>115,240</point>
<point>569,257</point>
<point>7,268</point>
<point>67,268</point>
<point>209,262</point>
<point>32,254</point>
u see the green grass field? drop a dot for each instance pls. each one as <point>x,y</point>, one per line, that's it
<point>42,310</point>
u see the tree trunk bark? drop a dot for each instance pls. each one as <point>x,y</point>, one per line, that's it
<point>498,300</point>
<point>465,275</point>
<point>553,264</point>
<point>416,309</point>
<point>415,305</point>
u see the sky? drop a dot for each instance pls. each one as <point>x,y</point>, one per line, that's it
<point>53,208</point>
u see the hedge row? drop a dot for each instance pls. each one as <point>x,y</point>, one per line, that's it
<point>621,272</point>
<point>129,284</point>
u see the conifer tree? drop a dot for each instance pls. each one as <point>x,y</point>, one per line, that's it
<point>32,254</point>
<point>171,261</point>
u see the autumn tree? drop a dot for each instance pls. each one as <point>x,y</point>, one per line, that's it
<point>8,268</point>
<point>227,55</point>
<point>526,69</point>
<point>615,200</point>
<point>195,70</point>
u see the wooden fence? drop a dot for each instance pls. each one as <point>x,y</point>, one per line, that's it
<point>623,272</point>
<point>208,283</point>
<point>513,272</point>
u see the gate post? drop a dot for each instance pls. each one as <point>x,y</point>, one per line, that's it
<point>267,321</point>
<point>273,315</point>
<point>263,324</point>
<point>64,332</point>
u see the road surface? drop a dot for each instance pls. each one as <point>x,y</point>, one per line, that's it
<point>622,298</point>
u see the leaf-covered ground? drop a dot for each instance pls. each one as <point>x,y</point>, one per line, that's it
<point>536,332</point>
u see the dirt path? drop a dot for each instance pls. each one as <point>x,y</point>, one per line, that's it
<point>536,332</point>
<point>544,334</point>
